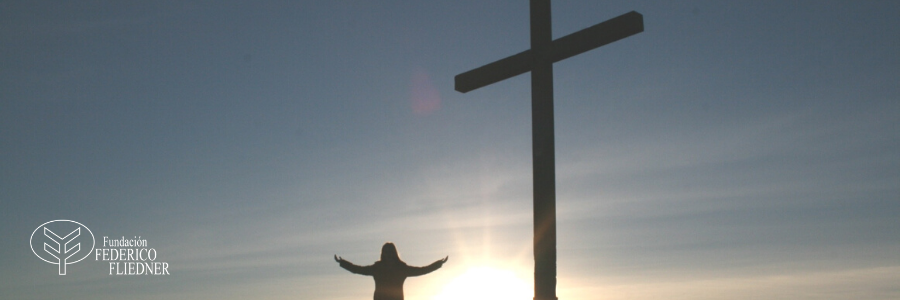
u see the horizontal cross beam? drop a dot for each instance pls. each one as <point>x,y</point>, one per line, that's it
<point>573,44</point>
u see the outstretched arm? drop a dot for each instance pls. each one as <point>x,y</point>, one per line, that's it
<point>349,266</point>
<point>416,271</point>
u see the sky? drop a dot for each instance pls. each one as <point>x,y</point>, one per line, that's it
<point>732,150</point>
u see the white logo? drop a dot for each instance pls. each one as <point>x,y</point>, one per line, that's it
<point>62,250</point>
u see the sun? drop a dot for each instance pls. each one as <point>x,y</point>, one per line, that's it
<point>486,283</point>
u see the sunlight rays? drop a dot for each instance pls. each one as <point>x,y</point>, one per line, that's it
<point>486,283</point>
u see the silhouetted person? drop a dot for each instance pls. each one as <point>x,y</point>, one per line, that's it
<point>389,272</point>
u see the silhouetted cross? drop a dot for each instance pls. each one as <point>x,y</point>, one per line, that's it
<point>539,60</point>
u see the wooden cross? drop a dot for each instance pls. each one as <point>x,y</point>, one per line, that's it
<point>539,60</point>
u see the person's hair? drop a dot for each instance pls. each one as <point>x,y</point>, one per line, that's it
<point>389,253</point>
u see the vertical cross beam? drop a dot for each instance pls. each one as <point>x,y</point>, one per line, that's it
<point>543,153</point>
<point>539,61</point>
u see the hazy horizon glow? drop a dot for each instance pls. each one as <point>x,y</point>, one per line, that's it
<point>739,150</point>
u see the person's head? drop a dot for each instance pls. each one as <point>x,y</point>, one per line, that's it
<point>389,252</point>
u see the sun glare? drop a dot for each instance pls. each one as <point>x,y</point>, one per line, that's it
<point>486,283</point>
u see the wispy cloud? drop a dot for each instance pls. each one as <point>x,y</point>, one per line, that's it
<point>865,283</point>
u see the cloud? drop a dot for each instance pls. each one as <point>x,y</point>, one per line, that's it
<point>865,283</point>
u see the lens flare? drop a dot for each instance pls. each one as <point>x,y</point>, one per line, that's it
<point>423,96</point>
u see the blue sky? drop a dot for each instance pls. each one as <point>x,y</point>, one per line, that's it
<point>733,149</point>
